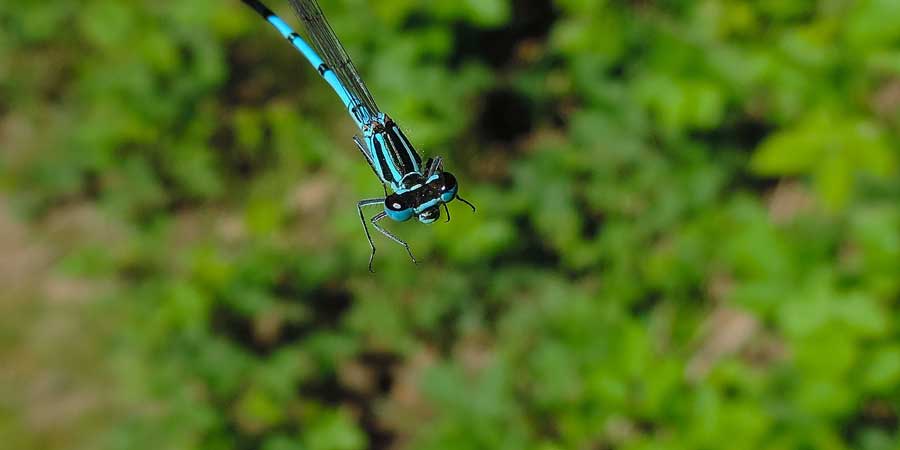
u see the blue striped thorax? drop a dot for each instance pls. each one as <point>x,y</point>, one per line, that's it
<point>393,156</point>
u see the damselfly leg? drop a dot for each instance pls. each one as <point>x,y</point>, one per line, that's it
<point>362,218</point>
<point>368,156</point>
<point>365,152</point>
<point>390,236</point>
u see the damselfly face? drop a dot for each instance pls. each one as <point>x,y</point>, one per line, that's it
<point>430,215</point>
<point>423,199</point>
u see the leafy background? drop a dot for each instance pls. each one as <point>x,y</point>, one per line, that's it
<point>688,233</point>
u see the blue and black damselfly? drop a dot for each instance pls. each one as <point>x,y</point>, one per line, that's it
<point>417,190</point>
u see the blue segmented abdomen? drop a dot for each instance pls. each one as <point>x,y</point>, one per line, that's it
<point>360,114</point>
<point>392,155</point>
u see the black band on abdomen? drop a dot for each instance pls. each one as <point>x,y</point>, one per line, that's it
<point>260,8</point>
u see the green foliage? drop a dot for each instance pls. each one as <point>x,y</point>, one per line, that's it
<point>688,233</point>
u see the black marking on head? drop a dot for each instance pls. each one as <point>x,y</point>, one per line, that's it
<point>412,179</point>
<point>399,202</point>
<point>446,182</point>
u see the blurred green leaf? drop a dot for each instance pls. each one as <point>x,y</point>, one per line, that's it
<point>334,431</point>
<point>831,148</point>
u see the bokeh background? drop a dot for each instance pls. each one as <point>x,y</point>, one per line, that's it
<point>688,233</point>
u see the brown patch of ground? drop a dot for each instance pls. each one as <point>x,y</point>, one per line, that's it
<point>53,382</point>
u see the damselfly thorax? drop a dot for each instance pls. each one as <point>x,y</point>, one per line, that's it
<point>393,156</point>
<point>417,191</point>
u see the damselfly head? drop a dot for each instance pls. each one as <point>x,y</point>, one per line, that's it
<point>423,199</point>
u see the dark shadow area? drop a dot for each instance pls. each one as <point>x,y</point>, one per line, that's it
<point>531,249</point>
<point>732,145</point>
<point>329,391</point>
<point>531,19</point>
<point>874,414</point>
<point>505,116</point>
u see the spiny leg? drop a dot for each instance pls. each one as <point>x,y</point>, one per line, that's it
<point>362,218</point>
<point>446,210</point>
<point>390,235</point>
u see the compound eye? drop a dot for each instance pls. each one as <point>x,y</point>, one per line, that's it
<point>448,186</point>
<point>395,202</point>
<point>448,181</point>
<point>398,207</point>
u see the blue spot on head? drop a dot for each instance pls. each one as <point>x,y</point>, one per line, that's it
<point>400,216</point>
<point>449,195</point>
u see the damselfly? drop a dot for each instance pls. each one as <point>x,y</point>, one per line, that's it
<point>417,190</point>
